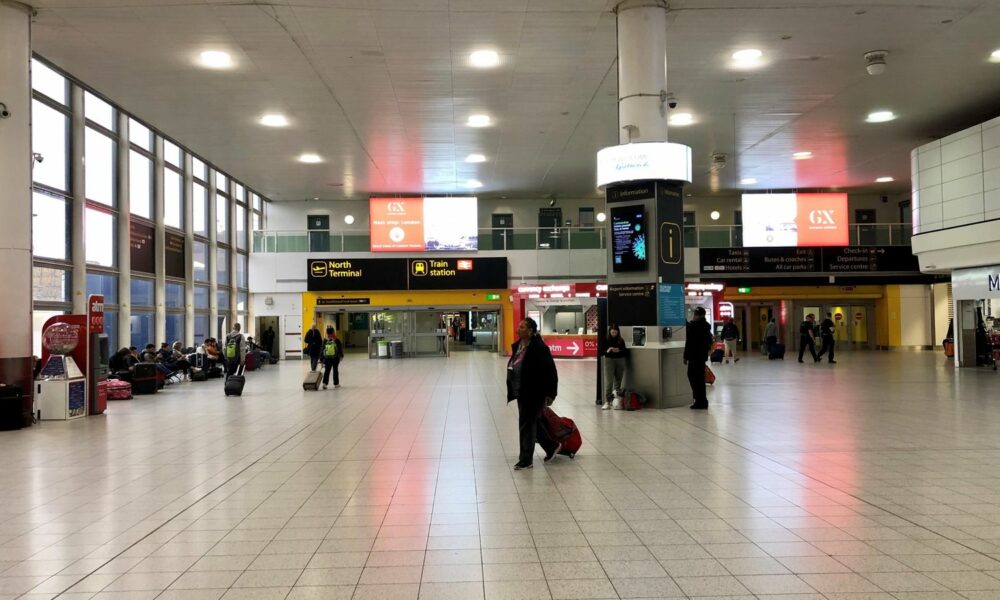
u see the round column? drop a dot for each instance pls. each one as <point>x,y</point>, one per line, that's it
<point>642,70</point>
<point>15,201</point>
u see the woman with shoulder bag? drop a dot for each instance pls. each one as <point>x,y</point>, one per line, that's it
<point>614,367</point>
<point>532,381</point>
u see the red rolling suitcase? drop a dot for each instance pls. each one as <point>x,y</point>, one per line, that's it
<point>564,431</point>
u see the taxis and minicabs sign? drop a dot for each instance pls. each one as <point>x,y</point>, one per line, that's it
<point>394,274</point>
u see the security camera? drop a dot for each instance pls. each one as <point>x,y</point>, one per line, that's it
<point>38,157</point>
<point>671,101</point>
<point>875,61</point>
<point>4,113</point>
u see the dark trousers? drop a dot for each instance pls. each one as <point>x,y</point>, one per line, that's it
<point>331,364</point>
<point>828,344</point>
<point>807,342</point>
<point>531,429</point>
<point>696,377</point>
<point>313,361</point>
<point>771,341</point>
<point>231,367</point>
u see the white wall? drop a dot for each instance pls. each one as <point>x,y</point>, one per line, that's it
<point>915,314</point>
<point>940,294</point>
<point>956,180</point>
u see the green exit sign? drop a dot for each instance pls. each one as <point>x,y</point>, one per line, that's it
<point>744,290</point>
<point>492,296</point>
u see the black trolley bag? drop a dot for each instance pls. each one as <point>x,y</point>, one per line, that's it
<point>235,382</point>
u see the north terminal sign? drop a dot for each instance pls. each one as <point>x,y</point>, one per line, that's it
<point>395,274</point>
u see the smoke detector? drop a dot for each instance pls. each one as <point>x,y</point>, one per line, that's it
<point>719,160</point>
<point>875,61</point>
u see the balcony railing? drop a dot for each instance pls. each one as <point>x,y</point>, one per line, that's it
<point>518,238</point>
<point>559,238</point>
<point>866,234</point>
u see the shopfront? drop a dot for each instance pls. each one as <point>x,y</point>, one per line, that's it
<point>410,307</point>
<point>566,314</point>
<point>976,326</point>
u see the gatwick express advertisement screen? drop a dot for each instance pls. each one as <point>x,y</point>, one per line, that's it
<point>422,224</point>
<point>790,220</point>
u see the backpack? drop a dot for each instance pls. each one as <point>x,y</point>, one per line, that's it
<point>632,400</point>
<point>330,348</point>
<point>232,347</point>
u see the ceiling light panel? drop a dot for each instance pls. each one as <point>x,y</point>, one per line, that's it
<point>484,59</point>
<point>215,59</point>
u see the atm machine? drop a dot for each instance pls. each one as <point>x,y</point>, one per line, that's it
<point>98,372</point>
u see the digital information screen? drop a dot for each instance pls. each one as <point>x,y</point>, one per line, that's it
<point>795,220</point>
<point>628,239</point>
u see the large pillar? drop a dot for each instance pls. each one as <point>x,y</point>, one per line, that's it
<point>15,199</point>
<point>159,246</point>
<point>642,70</point>
<point>124,230</point>
<point>644,177</point>
<point>78,209</point>
<point>189,252</point>
<point>212,262</point>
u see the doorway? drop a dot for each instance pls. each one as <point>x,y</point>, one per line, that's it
<point>268,330</point>
<point>851,323</point>
<point>864,220</point>
<point>549,232</point>
<point>319,233</point>
<point>503,230</point>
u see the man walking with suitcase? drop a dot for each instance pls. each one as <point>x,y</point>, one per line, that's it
<point>234,352</point>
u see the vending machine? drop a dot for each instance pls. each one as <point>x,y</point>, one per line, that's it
<point>98,373</point>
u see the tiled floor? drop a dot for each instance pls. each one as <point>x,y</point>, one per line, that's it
<point>878,478</point>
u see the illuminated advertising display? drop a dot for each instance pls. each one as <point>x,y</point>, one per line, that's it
<point>424,224</point>
<point>795,220</point>
<point>628,239</point>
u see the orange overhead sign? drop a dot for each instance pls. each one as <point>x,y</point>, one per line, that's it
<point>397,224</point>
<point>795,220</point>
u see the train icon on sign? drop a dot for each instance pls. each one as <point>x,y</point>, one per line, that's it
<point>418,268</point>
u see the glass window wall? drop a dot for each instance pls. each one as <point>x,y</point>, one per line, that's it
<point>242,280</point>
<point>201,328</point>
<point>50,216</point>
<point>200,257</point>
<point>173,198</point>
<point>50,141</point>
<point>175,328</point>
<point>140,135</point>
<point>200,208</point>
<point>105,284</point>
<point>172,154</point>
<point>98,111</point>
<point>100,237</point>
<point>221,182</point>
<point>201,294</point>
<point>99,170</point>
<point>222,218</point>
<point>241,227</point>
<point>45,80</point>
<point>198,169</point>
<point>142,291</point>
<point>141,329</point>
<point>140,184</point>
<point>222,266</point>
<point>50,285</point>
<point>174,294</point>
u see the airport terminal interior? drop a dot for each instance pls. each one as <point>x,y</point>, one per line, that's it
<point>282,280</point>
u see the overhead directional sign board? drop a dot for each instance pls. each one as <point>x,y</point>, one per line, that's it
<point>837,259</point>
<point>395,274</point>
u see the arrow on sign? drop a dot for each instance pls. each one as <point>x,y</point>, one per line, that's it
<point>575,348</point>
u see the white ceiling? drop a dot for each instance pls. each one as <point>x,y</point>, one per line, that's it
<point>381,88</point>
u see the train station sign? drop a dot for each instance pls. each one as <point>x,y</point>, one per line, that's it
<point>829,260</point>
<point>400,274</point>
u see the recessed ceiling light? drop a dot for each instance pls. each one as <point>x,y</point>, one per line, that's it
<point>484,59</point>
<point>747,55</point>
<point>884,180</point>
<point>748,181</point>
<point>601,217</point>
<point>714,215</point>
<point>274,120</point>
<point>349,219</point>
<point>880,116</point>
<point>473,184</point>
<point>215,59</point>
<point>995,56</point>
<point>475,158</point>
<point>681,119</point>
<point>479,121</point>
<point>802,155</point>
<point>310,157</point>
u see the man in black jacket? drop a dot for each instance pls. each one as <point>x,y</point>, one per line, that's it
<point>532,380</point>
<point>314,343</point>
<point>697,344</point>
<point>826,334</point>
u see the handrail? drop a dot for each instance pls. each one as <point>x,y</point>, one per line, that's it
<point>859,234</point>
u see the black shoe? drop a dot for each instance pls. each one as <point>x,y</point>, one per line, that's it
<point>832,362</point>
<point>550,455</point>
<point>521,465</point>
<point>800,360</point>
<point>699,406</point>
<point>818,359</point>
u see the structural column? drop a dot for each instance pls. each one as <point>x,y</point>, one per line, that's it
<point>124,230</point>
<point>643,177</point>
<point>78,209</point>
<point>159,246</point>
<point>15,198</point>
<point>188,199</point>
<point>212,261</point>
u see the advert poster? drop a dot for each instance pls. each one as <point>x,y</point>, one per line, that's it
<point>795,220</point>
<point>424,224</point>
<point>141,247</point>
